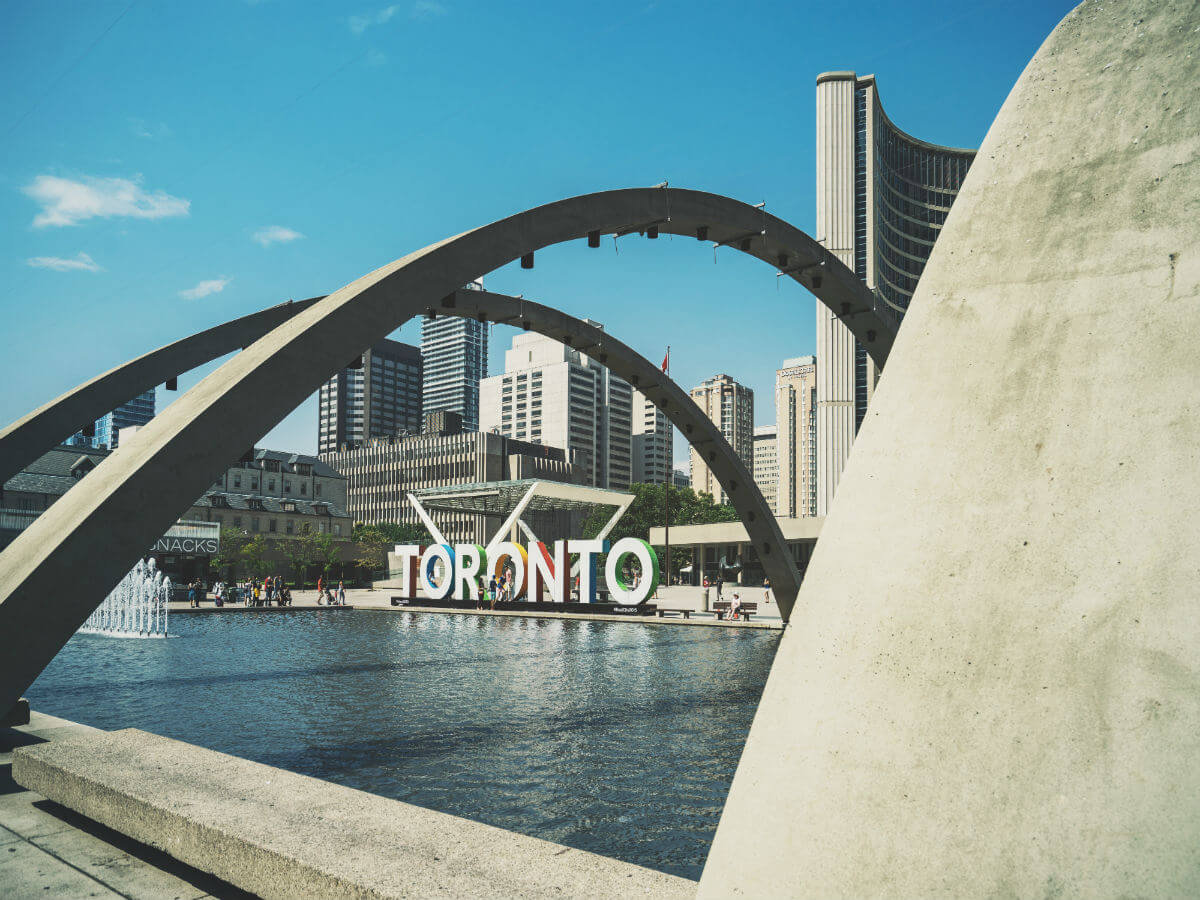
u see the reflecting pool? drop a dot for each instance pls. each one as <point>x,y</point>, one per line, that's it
<point>616,738</point>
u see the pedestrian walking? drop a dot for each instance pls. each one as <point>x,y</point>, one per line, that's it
<point>341,593</point>
<point>766,590</point>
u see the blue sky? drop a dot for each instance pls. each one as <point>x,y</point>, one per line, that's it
<point>166,166</point>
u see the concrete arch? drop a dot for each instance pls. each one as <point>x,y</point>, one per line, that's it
<point>172,460</point>
<point>22,441</point>
<point>32,434</point>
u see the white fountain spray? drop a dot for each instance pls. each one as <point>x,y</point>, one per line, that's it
<point>137,607</point>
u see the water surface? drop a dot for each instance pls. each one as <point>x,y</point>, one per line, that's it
<point>616,738</point>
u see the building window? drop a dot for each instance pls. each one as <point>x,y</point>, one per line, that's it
<point>237,521</point>
<point>289,527</point>
<point>337,529</point>
<point>303,489</point>
<point>271,485</point>
<point>254,524</point>
<point>237,481</point>
<point>317,490</point>
<point>287,486</point>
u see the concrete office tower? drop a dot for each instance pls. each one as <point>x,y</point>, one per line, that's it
<point>730,406</point>
<point>766,464</point>
<point>551,394</point>
<point>137,411</point>
<point>653,442</point>
<point>454,352</point>
<point>882,197</point>
<point>796,420</point>
<point>381,398</point>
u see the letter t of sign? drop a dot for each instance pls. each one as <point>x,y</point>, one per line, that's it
<point>409,556</point>
<point>587,551</point>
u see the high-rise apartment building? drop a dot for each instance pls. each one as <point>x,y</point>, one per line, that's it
<point>454,353</point>
<point>551,394</point>
<point>381,398</point>
<point>106,431</point>
<point>653,443</point>
<point>766,463</point>
<point>796,421</point>
<point>882,198</point>
<point>730,406</point>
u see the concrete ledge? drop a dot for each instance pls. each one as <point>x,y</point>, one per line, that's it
<point>279,834</point>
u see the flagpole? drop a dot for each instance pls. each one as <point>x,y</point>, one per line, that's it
<point>670,484</point>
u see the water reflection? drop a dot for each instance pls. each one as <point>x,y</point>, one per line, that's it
<point>619,739</point>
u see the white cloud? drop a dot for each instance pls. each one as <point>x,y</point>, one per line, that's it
<point>427,9</point>
<point>150,130</point>
<point>81,263</point>
<point>419,10</point>
<point>68,202</point>
<point>204,288</point>
<point>359,24</point>
<point>275,234</point>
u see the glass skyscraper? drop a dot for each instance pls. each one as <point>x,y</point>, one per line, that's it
<point>454,351</point>
<point>882,198</point>
<point>137,411</point>
<point>381,398</point>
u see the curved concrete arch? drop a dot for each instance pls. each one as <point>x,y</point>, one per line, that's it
<point>678,406</point>
<point>145,483</point>
<point>30,436</point>
<point>25,439</point>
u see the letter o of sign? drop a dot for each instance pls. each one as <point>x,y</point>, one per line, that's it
<point>645,554</point>
<point>501,555</point>
<point>435,553</point>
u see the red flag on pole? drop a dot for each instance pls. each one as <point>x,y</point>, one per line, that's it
<point>666,365</point>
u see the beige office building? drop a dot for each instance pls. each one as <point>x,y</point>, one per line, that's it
<point>796,424</point>
<point>882,198</point>
<point>553,395</point>
<point>652,442</point>
<point>766,464</point>
<point>730,406</point>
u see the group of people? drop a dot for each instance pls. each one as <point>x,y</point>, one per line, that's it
<point>496,589</point>
<point>271,591</point>
<point>327,596</point>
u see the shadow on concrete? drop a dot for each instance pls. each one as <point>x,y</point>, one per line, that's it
<point>151,856</point>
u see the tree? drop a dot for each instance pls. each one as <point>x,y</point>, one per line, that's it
<point>300,552</point>
<point>649,510</point>
<point>327,552</point>
<point>374,542</point>
<point>229,553</point>
<point>254,556</point>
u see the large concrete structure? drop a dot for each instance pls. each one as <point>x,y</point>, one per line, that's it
<point>454,352</point>
<point>730,406</point>
<point>218,418</point>
<point>653,442</point>
<point>379,395</point>
<point>796,422</point>
<point>882,197</point>
<point>554,395</point>
<point>1004,701</point>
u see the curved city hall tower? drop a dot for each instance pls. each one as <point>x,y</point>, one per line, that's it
<point>882,197</point>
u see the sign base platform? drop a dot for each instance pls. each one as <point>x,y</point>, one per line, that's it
<point>596,609</point>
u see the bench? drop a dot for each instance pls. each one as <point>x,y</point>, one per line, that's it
<point>686,613</point>
<point>721,607</point>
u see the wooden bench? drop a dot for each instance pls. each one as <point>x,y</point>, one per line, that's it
<point>721,607</point>
<point>686,613</point>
